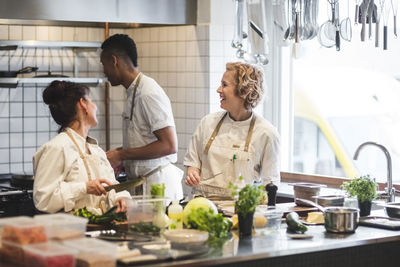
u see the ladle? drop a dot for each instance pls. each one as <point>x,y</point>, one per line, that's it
<point>345,26</point>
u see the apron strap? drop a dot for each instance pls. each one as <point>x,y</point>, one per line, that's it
<point>214,134</point>
<point>250,133</point>
<point>216,130</point>
<point>134,93</point>
<point>81,155</point>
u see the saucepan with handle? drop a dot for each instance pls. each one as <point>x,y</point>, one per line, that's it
<point>337,219</point>
<point>10,74</point>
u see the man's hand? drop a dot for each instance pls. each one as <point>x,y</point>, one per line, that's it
<point>193,176</point>
<point>95,187</point>
<point>121,205</point>
<point>114,157</point>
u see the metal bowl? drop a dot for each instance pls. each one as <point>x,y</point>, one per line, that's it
<point>392,209</point>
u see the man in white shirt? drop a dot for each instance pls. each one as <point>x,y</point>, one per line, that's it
<point>149,135</point>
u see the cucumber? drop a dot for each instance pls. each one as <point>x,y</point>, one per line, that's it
<point>294,224</point>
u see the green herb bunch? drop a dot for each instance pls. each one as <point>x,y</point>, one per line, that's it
<point>364,188</point>
<point>249,197</point>
<point>106,219</point>
<point>217,226</point>
<point>157,190</point>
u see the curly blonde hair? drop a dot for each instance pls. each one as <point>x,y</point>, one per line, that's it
<point>249,82</point>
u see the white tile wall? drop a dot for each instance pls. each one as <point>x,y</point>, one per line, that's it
<point>187,61</point>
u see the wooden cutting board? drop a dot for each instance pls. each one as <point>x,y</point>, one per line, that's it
<point>291,206</point>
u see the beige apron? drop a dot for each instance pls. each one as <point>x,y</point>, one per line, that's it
<point>98,168</point>
<point>169,174</point>
<point>223,161</point>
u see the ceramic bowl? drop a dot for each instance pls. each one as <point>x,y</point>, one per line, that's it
<point>186,236</point>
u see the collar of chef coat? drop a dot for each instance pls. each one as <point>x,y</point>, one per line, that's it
<point>130,88</point>
<point>80,140</point>
<point>239,123</point>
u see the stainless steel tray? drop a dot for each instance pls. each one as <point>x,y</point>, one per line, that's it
<point>380,222</point>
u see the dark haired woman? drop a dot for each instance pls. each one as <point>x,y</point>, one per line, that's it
<point>70,170</point>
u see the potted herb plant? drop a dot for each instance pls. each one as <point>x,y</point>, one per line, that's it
<point>364,188</point>
<point>249,197</point>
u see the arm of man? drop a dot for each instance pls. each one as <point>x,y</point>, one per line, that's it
<point>166,144</point>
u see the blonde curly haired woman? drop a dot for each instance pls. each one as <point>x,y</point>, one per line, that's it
<point>234,145</point>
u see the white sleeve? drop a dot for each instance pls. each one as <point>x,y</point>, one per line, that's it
<point>194,150</point>
<point>113,197</point>
<point>270,160</point>
<point>157,111</point>
<point>50,192</point>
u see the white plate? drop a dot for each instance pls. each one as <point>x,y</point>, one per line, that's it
<point>186,236</point>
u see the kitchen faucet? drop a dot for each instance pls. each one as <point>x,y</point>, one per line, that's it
<point>389,193</point>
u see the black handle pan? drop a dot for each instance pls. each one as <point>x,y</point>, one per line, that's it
<point>15,73</point>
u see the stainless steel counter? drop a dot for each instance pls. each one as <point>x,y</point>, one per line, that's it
<point>368,245</point>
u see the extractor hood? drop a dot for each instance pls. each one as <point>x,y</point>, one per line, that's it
<point>73,12</point>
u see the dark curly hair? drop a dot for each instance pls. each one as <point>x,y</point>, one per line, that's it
<point>121,45</point>
<point>62,97</point>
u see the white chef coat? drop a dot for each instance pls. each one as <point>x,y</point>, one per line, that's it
<point>218,168</point>
<point>152,111</point>
<point>60,175</point>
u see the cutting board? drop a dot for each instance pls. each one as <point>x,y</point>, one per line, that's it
<point>228,210</point>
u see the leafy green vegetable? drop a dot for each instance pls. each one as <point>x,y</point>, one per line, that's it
<point>105,219</point>
<point>249,197</point>
<point>363,187</point>
<point>217,226</point>
<point>157,190</point>
<point>146,228</point>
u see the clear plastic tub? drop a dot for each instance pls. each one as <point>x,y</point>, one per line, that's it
<point>61,226</point>
<point>49,254</point>
<point>22,230</point>
<point>147,215</point>
<point>266,220</point>
<point>93,252</point>
<point>11,253</point>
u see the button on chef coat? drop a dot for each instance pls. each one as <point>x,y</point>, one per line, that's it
<point>218,167</point>
<point>152,111</point>
<point>60,176</point>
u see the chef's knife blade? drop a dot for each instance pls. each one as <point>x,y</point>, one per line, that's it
<point>132,183</point>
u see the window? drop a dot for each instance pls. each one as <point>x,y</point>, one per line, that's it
<point>342,99</point>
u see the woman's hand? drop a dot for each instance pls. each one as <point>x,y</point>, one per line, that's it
<point>95,187</point>
<point>193,176</point>
<point>121,205</point>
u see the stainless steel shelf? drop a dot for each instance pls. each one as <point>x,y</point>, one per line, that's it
<point>14,82</point>
<point>14,44</point>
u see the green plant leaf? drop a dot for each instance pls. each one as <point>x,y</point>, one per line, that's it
<point>364,188</point>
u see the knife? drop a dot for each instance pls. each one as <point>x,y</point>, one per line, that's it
<point>132,183</point>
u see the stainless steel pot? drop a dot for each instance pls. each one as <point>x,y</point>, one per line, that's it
<point>341,219</point>
<point>337,219</point>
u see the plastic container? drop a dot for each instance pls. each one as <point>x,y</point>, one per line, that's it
<point>93,252</point>
<point>49,254</point>
<point>12,253</point>
<point>22,230</point>
<point>306,191</point>
<point>61,226</point>
<point>175,215</point>
<point>266,220</point>
<point>147,215</point>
